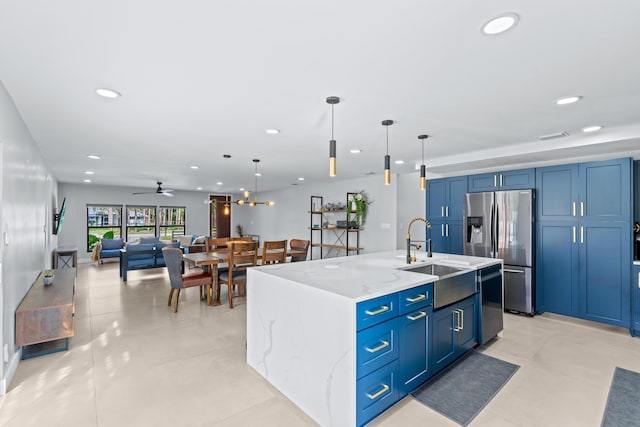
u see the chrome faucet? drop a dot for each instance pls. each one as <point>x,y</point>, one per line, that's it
<point>428,241</point>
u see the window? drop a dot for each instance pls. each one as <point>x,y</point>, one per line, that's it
<point>171,221</point>
<point>103,221</point>
<point>141,222</point>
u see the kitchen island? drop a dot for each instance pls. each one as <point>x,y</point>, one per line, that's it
<point>329,334</point>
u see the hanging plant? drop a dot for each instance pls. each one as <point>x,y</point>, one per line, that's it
<point>361,201</point>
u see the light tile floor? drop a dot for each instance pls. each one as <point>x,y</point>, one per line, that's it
<point>133,362</point>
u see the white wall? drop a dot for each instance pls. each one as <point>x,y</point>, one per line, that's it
<point>411,203</point>
<point>74,228</point>
<point>289,218</point>
<point>28,197</point>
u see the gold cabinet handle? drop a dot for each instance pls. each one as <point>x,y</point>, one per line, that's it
<point>581,208</point>
<point>495,180</point>
<point>457,327</point>
<point>461,319</point>
<point>417,316</point>
<point>574,234</point>
<point>574,209</point>
<point>442,211</point>
<point>384,389</point>
<point>639,279</point>
<point>442,226</point>
<point>446,227</point>
<point>382,309</point>
<point>500,180</point>
<point>446,211</point>
<point>417,298</point>
<point>383,344</point>
<point>581,234</point>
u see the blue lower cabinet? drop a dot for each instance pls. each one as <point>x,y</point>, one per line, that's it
<point>376,392</point>
<point>447,237</point>
<point>635,302</point>
<point>454,332</point>
<point>377,346</point>
<point>413,330</point>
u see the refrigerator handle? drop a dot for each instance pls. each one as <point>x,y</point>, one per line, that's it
<point>491,230</point>
<point>496,221</point>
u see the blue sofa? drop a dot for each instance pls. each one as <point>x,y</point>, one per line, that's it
<point>109,248</point>
<point>142,256</point>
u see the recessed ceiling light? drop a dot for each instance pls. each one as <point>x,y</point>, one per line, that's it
<point>272,131</point>
<point>257,174</point>
<point>567,100</point>
<point>218,183</point>
<point>89,172</point>
<point>108,93</point>
<point>91,156</point>
<point>242,189</point>
<point>87,180</point>
<point>198,188</point>
<point>399,162</point>
<point>591,128</point>
<point>301,179</point>
<point>500,24</point>
<point>355,151</point>
<point>195,167</point>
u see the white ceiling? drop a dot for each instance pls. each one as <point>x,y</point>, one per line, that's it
<point>201,79</point>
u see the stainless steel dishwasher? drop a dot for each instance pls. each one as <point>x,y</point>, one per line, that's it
<point>489,282</point>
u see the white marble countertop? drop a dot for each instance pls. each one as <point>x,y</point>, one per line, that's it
<point>362,277</point>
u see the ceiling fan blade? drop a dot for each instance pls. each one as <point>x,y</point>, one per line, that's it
<point>164,193</point>
<point>144,192</point>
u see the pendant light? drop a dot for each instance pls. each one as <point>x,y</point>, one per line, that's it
<point>332,100</point>
<point>387,158</point>
<point>226,209</point>
<point>255,201</point>
<point>423,168</point>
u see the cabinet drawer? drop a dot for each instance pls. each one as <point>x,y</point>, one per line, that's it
<point>376,310</point>
<point>376,347</point>
<point>376,392</point>
<point>414,298</point>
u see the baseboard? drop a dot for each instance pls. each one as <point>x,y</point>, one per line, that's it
<point>11,370</point>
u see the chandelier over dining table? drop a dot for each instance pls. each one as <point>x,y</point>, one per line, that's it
<point>247,195</point>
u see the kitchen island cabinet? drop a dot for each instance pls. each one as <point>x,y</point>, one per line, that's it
<point>332,335</point>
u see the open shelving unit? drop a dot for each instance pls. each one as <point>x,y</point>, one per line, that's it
<point>325,235</point>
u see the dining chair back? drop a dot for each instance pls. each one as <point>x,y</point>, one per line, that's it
<point>242,239</point>
<point>242,255</point>
<point>274,252</point>
<point>299,249</point>
<point>179,281</point>
<point>216,243</point>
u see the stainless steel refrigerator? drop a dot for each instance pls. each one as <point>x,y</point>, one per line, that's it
<point>500,224</point>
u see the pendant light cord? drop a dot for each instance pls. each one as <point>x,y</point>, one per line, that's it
<point>423,151</point>
<point>387,140</point>
<point>331,121</point>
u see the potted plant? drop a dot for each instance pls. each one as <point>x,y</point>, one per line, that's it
<point>359,202</point>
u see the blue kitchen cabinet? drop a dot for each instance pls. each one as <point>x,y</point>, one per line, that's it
<point>636,190</point>
<point>414,337</point>
<point>583,240</point>
<point>557,267</point>
<point>635,302</point>
<point>497,181</point>
<point>445,205</point>
<point>605,251</point>
<point>454,332</point>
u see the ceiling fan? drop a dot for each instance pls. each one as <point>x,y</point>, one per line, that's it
<point>159,190</point>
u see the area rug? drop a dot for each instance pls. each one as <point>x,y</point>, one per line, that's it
<point>622,408</point>
<point>464,388</point>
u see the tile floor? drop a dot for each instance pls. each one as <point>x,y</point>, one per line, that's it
<point>133,362</point>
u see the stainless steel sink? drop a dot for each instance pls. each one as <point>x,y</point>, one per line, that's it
<point>454,283</point>
<point>436,269</point>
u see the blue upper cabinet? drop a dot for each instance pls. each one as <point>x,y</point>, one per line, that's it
<point>557,192</point>
<point>605,190</point>
<point>497,181</point>
<point>445,205</point>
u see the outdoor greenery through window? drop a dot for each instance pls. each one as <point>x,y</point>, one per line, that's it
<point>141,222</point>
<point>103,221</point>
<point>171,221</point>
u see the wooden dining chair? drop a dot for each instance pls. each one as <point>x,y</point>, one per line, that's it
<point>242,255</point>
<point>216,243</point>
<point>299,250</point>
<point>179,281</point>
<point>274,252</point>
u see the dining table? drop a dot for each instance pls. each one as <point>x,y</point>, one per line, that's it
<point>212,260</point>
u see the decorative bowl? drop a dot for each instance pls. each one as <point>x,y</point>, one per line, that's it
<point>48,279</point>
